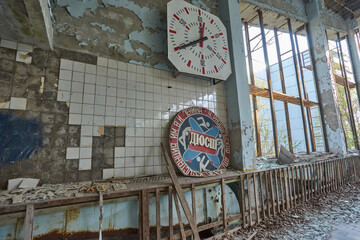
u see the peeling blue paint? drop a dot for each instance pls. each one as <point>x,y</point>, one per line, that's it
<point>20,138</point>
<point>151,20</point>
<point>103,27</point>
<point>77,8</point>
<point>128,47</point>
<point>141,51</point>
<point>83,43</point>
<point>140,63</point>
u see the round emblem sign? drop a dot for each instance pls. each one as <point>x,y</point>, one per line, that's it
<point>198,142</point>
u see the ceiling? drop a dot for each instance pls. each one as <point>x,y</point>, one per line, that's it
<point>271,19</point>
<point>347,9</point>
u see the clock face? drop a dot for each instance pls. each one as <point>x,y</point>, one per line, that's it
<point>197,41</point>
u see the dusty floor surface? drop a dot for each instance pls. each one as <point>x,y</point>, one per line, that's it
<point>335,217</point>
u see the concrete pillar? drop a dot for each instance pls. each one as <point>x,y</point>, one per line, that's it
<point>326,82</point>
<point>354,59</point>
<point>237,91</point>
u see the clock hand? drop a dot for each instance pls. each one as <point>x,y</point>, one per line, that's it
<point>202,35</point>
<point>192,43</point>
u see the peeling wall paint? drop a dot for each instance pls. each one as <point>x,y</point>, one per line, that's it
<point>20,138</point>
<point>130,30</point>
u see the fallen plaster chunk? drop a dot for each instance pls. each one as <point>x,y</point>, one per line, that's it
<point>285,156</point>
<point>29,183</point>
<point>119,186</point>
<point>14,183</point>
<point>17,199</point>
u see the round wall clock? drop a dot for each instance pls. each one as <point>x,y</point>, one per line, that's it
<point>198,142</point>
<point>197,41</point>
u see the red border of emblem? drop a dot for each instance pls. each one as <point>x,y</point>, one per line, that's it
<point>174,147</point>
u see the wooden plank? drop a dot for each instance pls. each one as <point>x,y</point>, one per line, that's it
<point>286,189</point>
<point>290,188</point>
<point>193,202</point>
<point>249,199</point>
<point>223,203</point>
<point>293,185</point>
<point>298,182</point>
<point>282,190</point>
<point>140,216</point>
<point>276,173</point>
<point>262,196</point>
<point>29,220</point>
<point>306,187</point>
<point>355,176</point>
<point>308,181</point>
<point>171,230</point>
<point>158,223</point>
<point>264,92</point>
<point>145,215</point>
<point>272,192</point>
<point>256,199</point>
<point>267,193</point>
<point>312,180</point>
<point>242,193</point>
<point>302,183</point>
<point>181,195</point>
<point>182,231</point>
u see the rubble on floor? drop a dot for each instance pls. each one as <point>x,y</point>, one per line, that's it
<point>22,192</point>
<point>320,218</point>
<point>300,157</point>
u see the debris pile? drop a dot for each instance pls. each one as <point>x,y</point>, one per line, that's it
<point>22,190</point>
<point>300,157</point>
<point>317,219</point>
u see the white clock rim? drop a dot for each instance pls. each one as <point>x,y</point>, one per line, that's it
<point>224,75</point>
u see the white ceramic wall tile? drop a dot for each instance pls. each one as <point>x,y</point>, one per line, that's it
<point>72,153</point>
<point>18,103</point>
<point>85,164</point>
<point>23,56</point>
<point>140,98</point>
<point>108,173</point>
<point>8,44</point>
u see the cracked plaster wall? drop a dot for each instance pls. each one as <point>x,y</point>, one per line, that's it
<point>127,30</point>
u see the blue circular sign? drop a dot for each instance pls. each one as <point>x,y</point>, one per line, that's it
<point>199,144</point>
